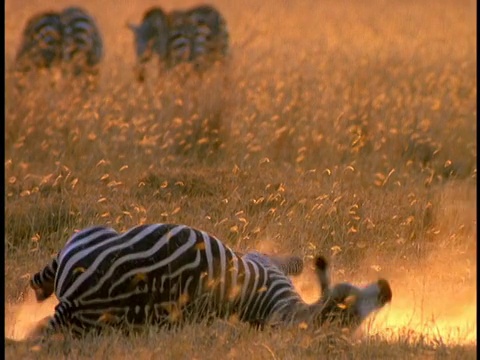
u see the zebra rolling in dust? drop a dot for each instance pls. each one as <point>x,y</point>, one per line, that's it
<point>168,275</point>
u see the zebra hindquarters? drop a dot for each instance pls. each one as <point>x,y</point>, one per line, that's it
<point>181,39</point>
<point>41,45</point>
<point>83,44</point>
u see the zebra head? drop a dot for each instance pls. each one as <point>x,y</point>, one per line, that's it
<point>143,45</point>
<point>345,304</point>
<point>151,35</point>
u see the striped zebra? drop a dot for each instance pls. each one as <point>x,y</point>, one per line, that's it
<point>211,37</point>
<point>198,35</point>
<point>83,44</point>
<point>43,282</point>
<point>181,37</point>
<point>41,45</point>
<point>151,39</point>
<point>170,274</point>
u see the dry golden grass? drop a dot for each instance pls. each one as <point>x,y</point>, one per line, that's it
<point>338,127</point>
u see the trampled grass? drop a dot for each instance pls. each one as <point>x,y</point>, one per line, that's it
<point>338,127</point>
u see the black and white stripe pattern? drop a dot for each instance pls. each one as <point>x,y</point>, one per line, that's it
<point>83,44</point>
<point>198,35</point>
<point>41,45</point>
<point>69,38</point>
<point>151,38</point>
<point>211,33</point>
<point>169,274</point>
<point>181,38</point>
<point>43,282</point>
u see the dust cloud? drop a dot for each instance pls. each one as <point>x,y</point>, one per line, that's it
<point>426,305</point>
<point>436,300</point>
<point>434,295</point>
<point>21,318</point>
<point>268,246</point>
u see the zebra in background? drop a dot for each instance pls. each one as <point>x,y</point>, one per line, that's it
<point>41,45</point>
<point>166,36</point>
<point>83,44</point>
<point>211,34</point>
<point>198,35</point>
<point>70,39</point>
<point>181,38</point>
<point>151,38</point>
<point>170,274</point>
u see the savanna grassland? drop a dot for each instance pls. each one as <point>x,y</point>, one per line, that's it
<point>346,128</point>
